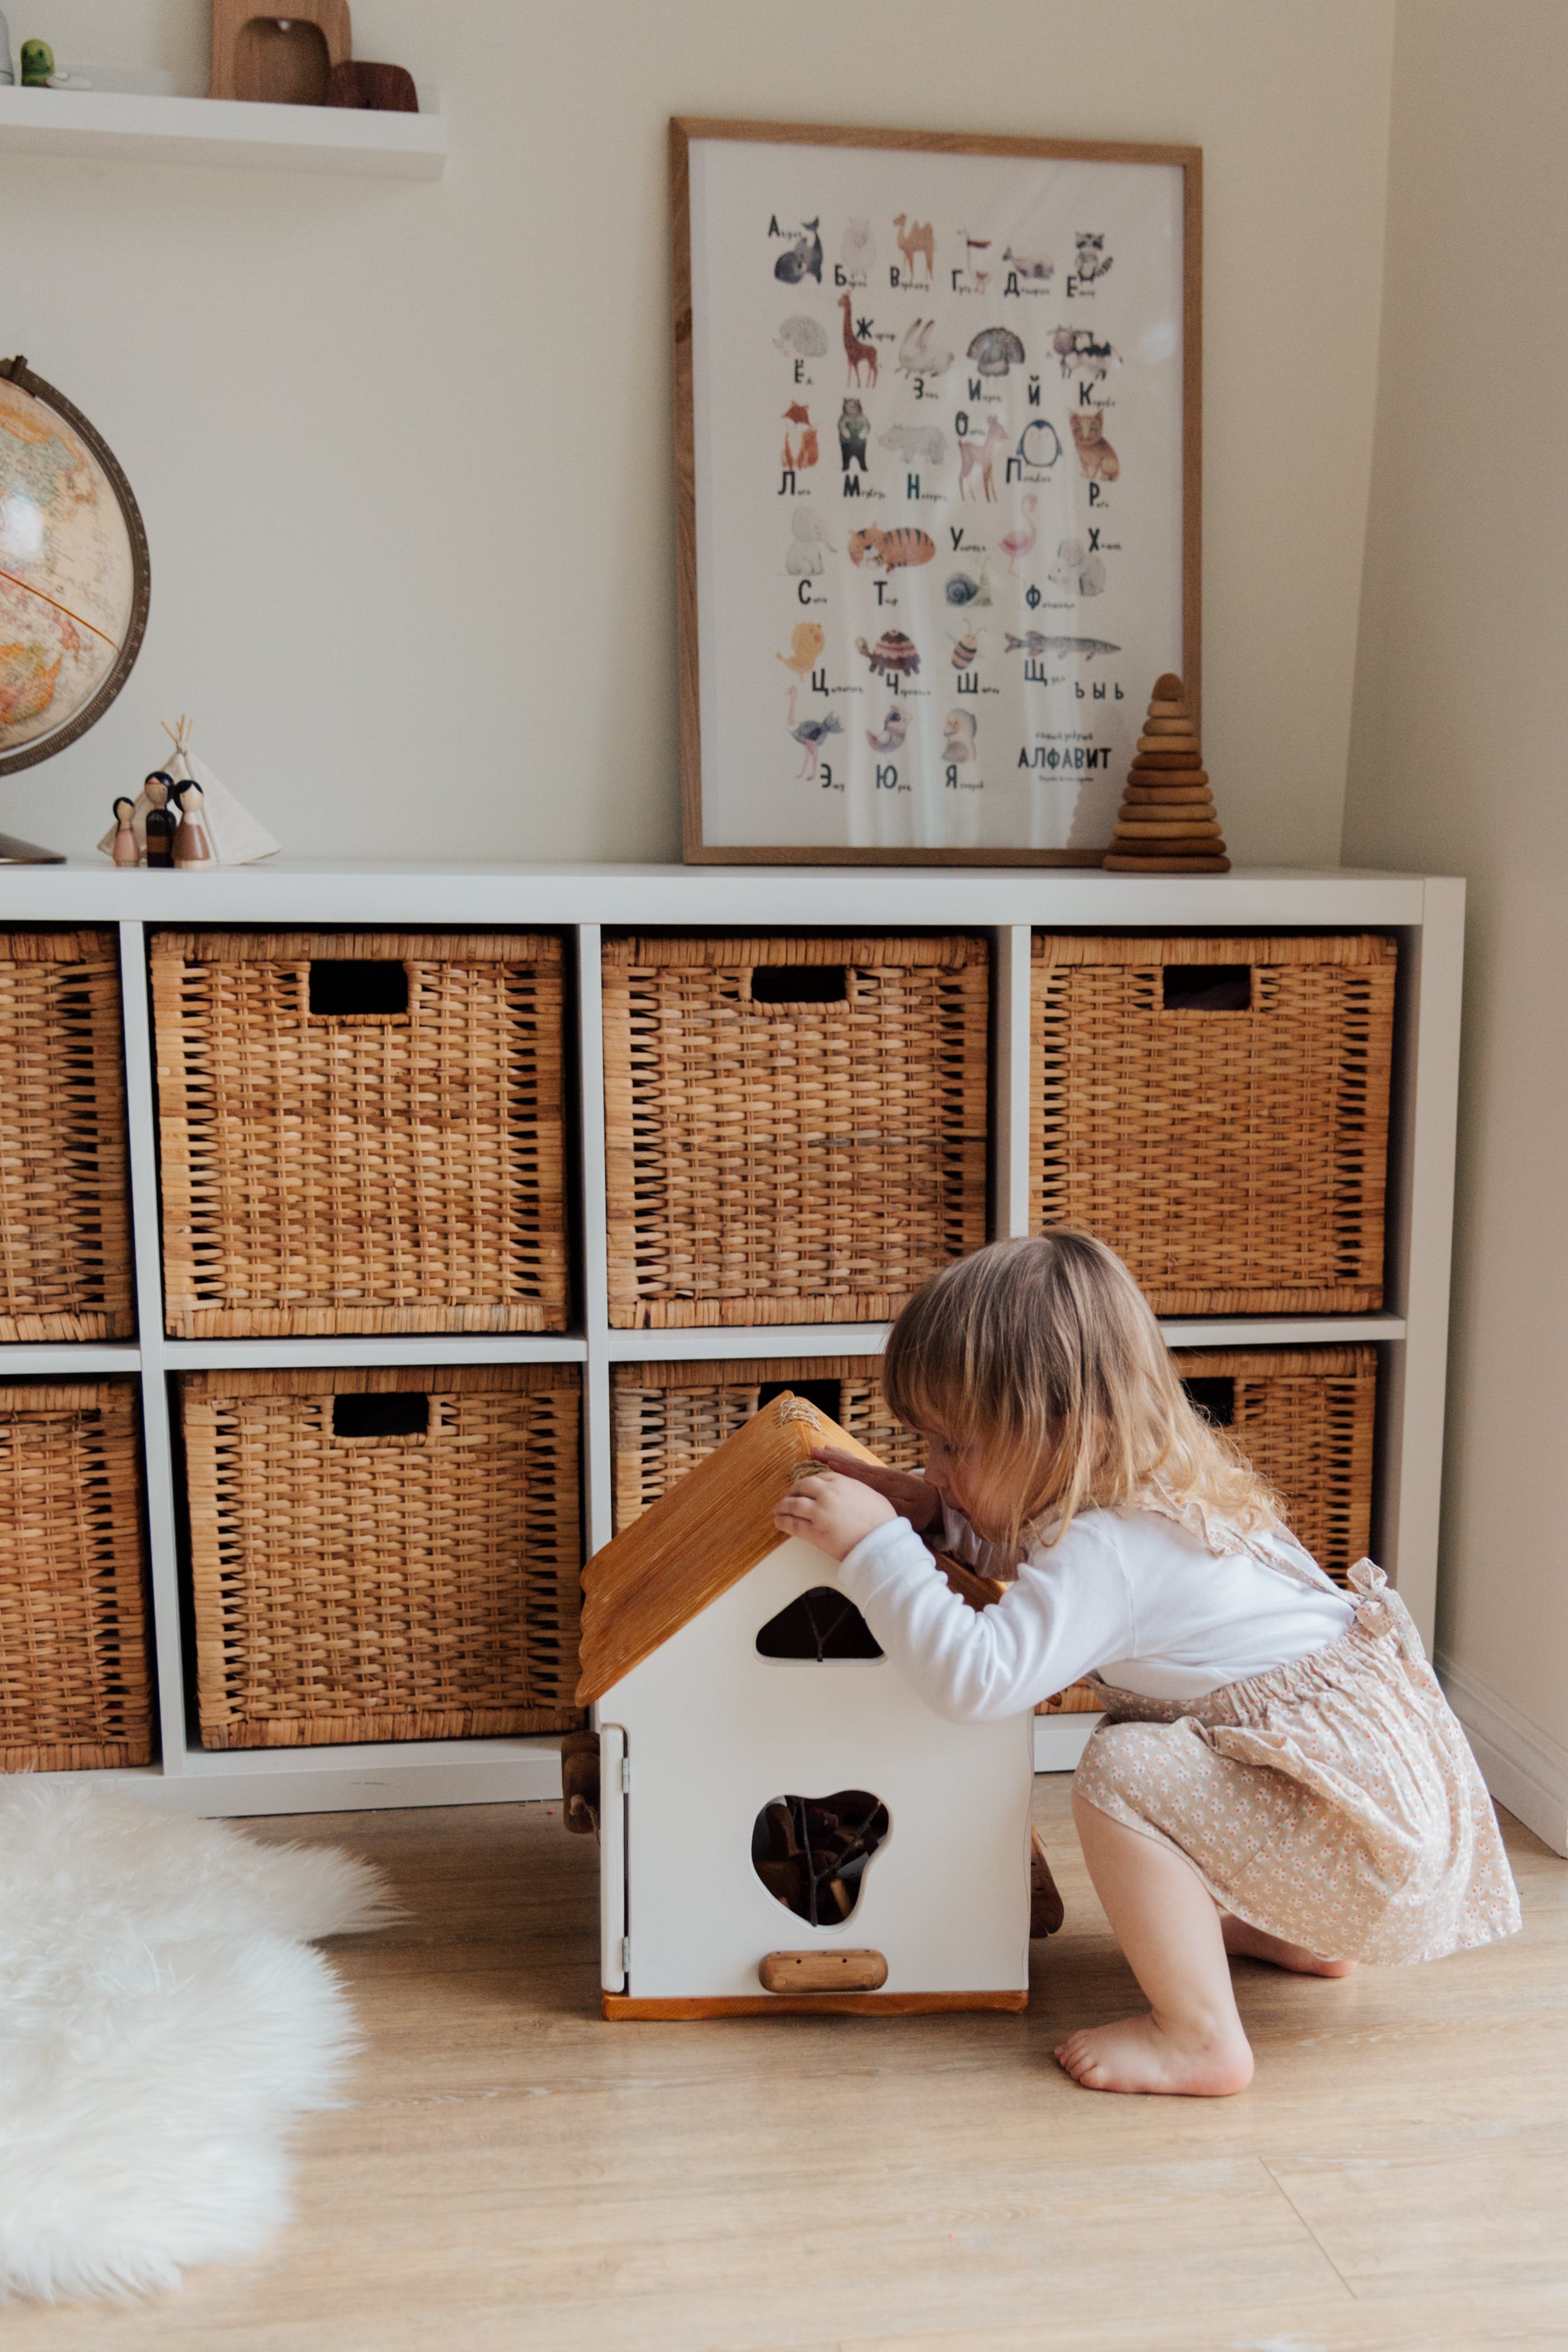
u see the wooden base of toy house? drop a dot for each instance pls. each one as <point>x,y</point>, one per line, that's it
<point>618,2005</point>
<point>1410,1332</point>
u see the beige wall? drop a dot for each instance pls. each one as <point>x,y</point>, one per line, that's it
<point>1459,759</point>
<point>403,451</point>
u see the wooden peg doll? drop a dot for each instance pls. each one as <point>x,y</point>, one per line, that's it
<point>192,847</point>
<point>127,849</point>
<point>160,818</point>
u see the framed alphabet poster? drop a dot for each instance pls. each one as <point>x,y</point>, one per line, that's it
<point>937,451</point>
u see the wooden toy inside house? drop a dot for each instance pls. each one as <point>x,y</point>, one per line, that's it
<point>738,1686</point>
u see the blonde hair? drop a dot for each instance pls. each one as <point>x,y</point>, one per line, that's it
<point>1042,1355</point>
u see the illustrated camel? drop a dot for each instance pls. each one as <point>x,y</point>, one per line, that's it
<point>979,456</point>
<point>917,237</point>
<point>858,355</point>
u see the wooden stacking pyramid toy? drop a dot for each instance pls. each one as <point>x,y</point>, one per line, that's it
<point>1166,823</point>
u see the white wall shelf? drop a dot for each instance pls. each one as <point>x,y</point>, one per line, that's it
<point>1425,915</point>
<point>128,128</point>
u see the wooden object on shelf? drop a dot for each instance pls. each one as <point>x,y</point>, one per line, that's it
<point>389,1554</point>
<point>1215,1108</point>
<point>729,1667</point>
<point>127,849</point>
<point>666,1418</point>
<point>377,89</point>
<point>360,1131</point>
<point>795,1127</point>
<point>74,1670</point>
<point>279,60</point>
<point>838,1970</point>
<point>65,1236</point>
<point>1167,823</point>
<point>193,845</point>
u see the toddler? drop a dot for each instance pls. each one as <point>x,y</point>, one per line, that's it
<point>1277,1772</point>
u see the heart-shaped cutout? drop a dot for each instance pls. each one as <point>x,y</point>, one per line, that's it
<point>811,1853</point>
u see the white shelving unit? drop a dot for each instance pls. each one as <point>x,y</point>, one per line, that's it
<point>1426,914</point>
<point>125,127</point>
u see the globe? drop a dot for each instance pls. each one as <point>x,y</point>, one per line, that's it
<point>73,572</point>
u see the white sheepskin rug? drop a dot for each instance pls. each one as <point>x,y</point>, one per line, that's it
<point>162,2022</point>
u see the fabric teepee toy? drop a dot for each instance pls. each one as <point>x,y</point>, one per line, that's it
<point>1166,823</point>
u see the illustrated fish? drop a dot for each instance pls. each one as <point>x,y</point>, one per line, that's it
<point>1034,643</point>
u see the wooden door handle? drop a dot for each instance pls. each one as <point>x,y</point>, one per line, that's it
<point>822,1971</point>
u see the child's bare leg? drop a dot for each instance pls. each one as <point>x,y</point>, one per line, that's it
<point>1168,1925</point>
<point>1242,1938</point>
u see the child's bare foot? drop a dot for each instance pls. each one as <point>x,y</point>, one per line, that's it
<point>1254,1945</point>
<point>1136,2054</point>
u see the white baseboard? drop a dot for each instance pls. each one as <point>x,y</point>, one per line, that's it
<point>1525,1768</point>
<point>1060,1740</point>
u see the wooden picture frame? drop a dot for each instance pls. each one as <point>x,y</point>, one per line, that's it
<point>729,569</point>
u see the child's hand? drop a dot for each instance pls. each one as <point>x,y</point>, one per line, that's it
<point>912,1496</point>
<point>831,1512</point>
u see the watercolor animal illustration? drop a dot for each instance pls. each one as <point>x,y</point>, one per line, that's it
<point>804,452</point>
<point>1035,454</point>
<point>916,236</point>
<point>923,350</point>
<point>1035,644</point>
<point>811,735</point>
<point>802,339</point>
<point>980,457</point>
<point>1019,541</point>
<point>892,549</point>
<point>926,445</point>
<point>1093,261</point>
<point>958,742</point>
<point>961,590</point>
<point>859,355</point>
<point>995,350</point>
<point>806,644</point>
<point>980,271</point>
<point>893,655</point>
<point>967,650</point>
<point>854,430</point>
<point>803,258</point>
<point>1095,455</point>
<point>894,727</point>
<point>858,250</point>
<point>1080,573</point>
<point>1038,265</point>
<point>1080,354</point>
<point>807,536</point>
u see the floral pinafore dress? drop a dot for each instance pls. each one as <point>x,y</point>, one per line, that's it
<point>1335,1802</point>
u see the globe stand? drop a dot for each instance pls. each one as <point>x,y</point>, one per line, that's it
<point>14,851</point>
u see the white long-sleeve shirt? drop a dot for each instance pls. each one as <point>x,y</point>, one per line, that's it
<point>1133,1595</point>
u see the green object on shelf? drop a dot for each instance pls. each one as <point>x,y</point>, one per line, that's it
<point>38,65</point>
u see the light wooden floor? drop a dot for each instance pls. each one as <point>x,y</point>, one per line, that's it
<point>518,2177</point>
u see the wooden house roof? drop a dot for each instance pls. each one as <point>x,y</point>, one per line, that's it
<point>697,1540</point>
<point>704,1536</point>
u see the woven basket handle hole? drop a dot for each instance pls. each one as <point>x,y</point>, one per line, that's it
<point>400,1412</point>
<point>1214,1395</point>
<point>799,983</point>
<point>1207,987</point>
<point>346,989</point>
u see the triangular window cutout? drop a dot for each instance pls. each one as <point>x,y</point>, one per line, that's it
<point>822,1626</point>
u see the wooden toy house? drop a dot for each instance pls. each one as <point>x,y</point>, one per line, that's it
<point>784,1823</point>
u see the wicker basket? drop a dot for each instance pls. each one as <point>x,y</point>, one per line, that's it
<point>65,1236</point>
<point>361,1132</point>
<point>667,1417</point>
<point>795,1127</point>
<point>383,1555</point>
<point>1233,1149</point>
<point>74,1677</point>
<point>1305,1418</point>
